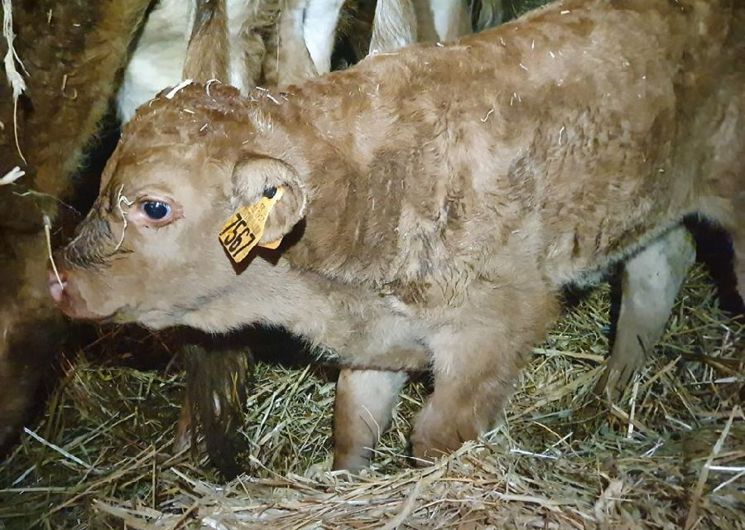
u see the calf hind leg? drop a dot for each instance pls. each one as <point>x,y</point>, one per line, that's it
<point>650,282</point>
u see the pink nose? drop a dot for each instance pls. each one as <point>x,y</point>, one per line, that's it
<point>57,285</point>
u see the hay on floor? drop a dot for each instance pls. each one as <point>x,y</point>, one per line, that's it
<point>671,453</point>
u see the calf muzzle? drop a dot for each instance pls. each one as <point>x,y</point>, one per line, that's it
<point>66,296</point>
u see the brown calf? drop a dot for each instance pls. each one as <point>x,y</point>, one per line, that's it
<point>432,202</point>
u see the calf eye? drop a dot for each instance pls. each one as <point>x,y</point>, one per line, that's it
<point>156,210</point>
<point>270,192</point>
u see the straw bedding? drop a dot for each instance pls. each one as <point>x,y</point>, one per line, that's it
<point>670,454</point>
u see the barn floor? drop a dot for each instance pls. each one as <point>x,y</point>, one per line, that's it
<point>671,454</point>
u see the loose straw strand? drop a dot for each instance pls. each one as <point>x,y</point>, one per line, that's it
<point>48,233</point>
<point>15,79</point>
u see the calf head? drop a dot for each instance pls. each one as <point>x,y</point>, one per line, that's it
<point>148,251</point>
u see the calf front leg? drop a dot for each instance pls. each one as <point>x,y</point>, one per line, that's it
<point>650,282</point>
<point>476,362</point>
<point>362,412</point>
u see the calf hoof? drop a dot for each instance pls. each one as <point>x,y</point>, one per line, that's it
<point>354,463</point>
<point>437,433</point>
<point>425,450</point>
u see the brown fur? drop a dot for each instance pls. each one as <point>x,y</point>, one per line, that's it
<point>436,231</point>
<point>73,53</point>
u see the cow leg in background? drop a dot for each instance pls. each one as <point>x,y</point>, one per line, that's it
<point>490,13</point>
<point>362,412</point>
<point>650,282</point>
<point>294,64</point>
<point>31,329</point>
<point>394,26</point>
<point>441,20</point>
<point>54,126</point>
<point>425,22</point>
<point>249,27</point>
<point>207,54</point>
<point>158,57</point>
<point>477,361</point>
<point>399,23</point>
<point>250,55</point>
<point>450,18</point>
<point>319,29</point>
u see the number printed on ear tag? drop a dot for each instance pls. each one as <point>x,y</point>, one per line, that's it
<point>244,229</point>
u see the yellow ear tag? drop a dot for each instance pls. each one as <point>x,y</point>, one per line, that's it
<point>244,229</point>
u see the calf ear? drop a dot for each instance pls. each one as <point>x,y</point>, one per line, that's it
<point>257,177</point>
